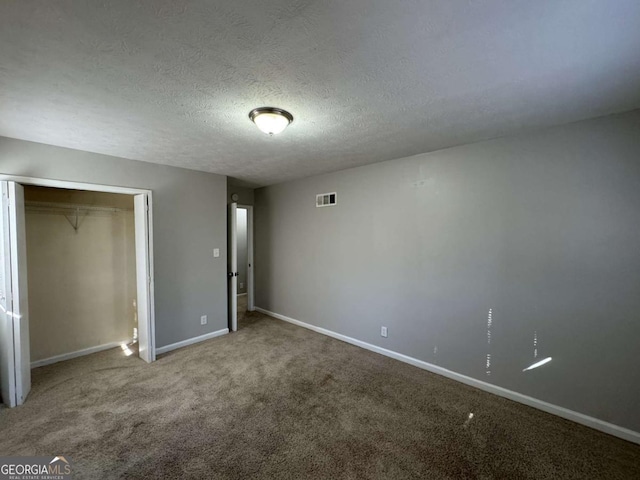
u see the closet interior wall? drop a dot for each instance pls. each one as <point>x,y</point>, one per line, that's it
<point>81,270</point>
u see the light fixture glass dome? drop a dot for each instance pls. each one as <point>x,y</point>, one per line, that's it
<point>271,120</point>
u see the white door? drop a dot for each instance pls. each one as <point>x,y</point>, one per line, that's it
<point>232,264</point>
<point>14,329</point>
<point>7,364</point>
<point>143,278</point>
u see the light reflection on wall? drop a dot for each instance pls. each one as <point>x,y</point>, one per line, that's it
<point>542,362</point>
<point>538,364</point>
<point>489,324</point>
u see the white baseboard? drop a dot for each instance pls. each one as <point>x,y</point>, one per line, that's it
<point>77,353</point>
<point>592,422</point>
<point>191,341</point>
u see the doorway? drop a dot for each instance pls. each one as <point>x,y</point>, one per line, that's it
<point>15,336</point>
<point>82,273</point>
<point>240,260</point>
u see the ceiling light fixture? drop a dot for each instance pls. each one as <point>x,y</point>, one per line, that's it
<point>270,120</point>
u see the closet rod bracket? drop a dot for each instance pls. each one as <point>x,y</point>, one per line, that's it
<point>74,224</point>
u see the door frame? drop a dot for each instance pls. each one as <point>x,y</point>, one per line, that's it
<point>232,265</point>
<point>148,286</point>
<point>250,265</point>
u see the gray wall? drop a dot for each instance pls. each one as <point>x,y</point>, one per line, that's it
<point>543,229</point>
<point>189,215</point>
<point>245,195</point>
<point>242,250</point>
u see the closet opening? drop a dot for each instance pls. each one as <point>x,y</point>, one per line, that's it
<point>76,276</point>
<point>81,271</point>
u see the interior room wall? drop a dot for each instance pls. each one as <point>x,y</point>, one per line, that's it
<point>189,221</point>
<point>482,259</point>
<point>242,250</point>
<point>245,195</point>
<point>82,283</point>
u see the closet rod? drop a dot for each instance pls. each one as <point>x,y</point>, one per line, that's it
<point>67,208</point>
<point>74,207</point>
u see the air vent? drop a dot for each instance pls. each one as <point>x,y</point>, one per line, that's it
<point>326,199</point>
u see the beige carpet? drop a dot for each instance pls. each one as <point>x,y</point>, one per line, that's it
<point>278,401</point>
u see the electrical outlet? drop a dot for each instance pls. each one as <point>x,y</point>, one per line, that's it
<point>203,320</point>
<point>216,252</point>
<point>383,332</point>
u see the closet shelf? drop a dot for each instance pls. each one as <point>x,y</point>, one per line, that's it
<point>68,209</point>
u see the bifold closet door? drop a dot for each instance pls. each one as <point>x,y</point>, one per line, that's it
<point>15,357</point>
<point>143,277</point>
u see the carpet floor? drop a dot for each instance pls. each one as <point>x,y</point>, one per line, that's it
<point>277,401</point>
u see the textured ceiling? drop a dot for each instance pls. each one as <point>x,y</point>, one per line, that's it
<point>172,82</point>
